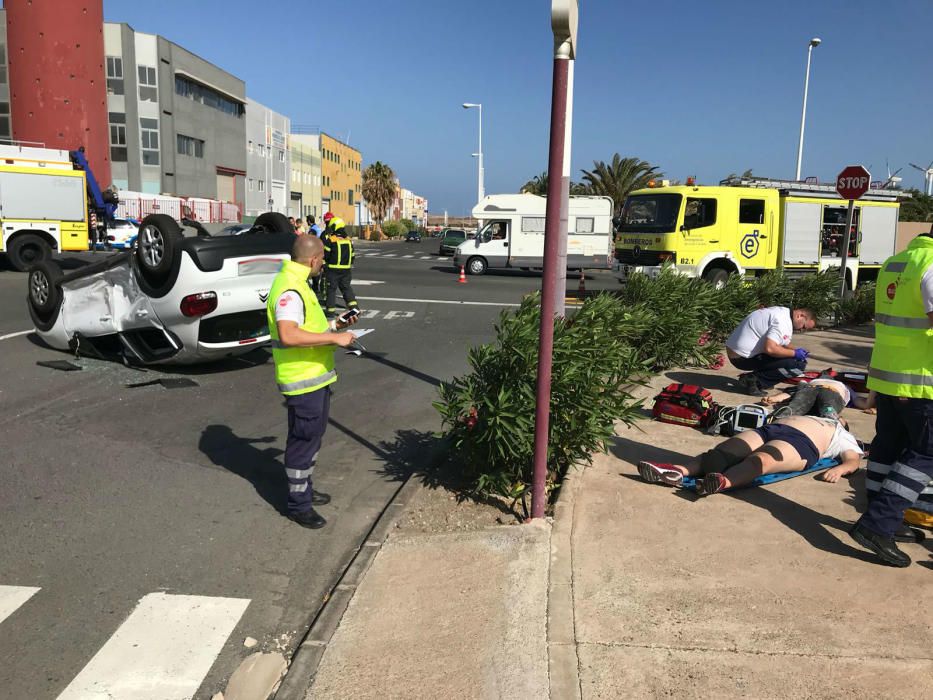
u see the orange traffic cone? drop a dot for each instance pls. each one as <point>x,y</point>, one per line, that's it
<point>462,279</point>
<point>581,289</point>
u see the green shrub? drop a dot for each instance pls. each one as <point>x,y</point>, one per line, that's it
<point>860,307</point>
<point>489,413</point>
<point>394,229</point>
<point>819,293</point>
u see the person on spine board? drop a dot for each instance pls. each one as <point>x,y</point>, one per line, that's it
<point>338,256</point>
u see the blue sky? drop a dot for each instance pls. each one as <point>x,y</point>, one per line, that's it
<point>699,89</point>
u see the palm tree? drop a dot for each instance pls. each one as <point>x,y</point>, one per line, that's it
<point>536,185</point>
<point>619,177</point>
<point>379,191</point>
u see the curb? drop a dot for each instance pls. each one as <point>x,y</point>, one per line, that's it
<point>307,657</point>
<point>563,665</point>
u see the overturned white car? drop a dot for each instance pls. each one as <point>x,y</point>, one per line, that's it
<point>172,300</point>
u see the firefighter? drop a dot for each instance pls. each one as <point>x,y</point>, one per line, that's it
<point>900,465</point>
<point>338,258</point>
<point>303,344</point>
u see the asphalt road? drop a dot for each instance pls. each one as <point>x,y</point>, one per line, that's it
<point>127,512</point>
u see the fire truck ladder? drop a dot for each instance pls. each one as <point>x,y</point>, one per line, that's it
<point>810,189</point>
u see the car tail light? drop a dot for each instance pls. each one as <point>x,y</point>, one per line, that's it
<point>199,304</point>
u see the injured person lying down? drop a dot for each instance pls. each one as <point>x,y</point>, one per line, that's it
<point>788,444</point>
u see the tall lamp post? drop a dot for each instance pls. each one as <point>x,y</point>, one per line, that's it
<point>564,14</point>
<point>814,42</point>
<point>480,188</point>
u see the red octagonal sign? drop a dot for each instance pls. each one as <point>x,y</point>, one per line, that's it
<point>853,182</point>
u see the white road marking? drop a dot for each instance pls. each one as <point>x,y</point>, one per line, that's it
<point>15,335</point>
<point>408,256</point>
<point>11,597</point>
<point>443,259</point>
<point>389,255</point>
<point>371,255</point>
<point>439,301</point>
<point>398,314</point>
<point>162,651</point>
<point>425,257</point>
<point>366,283</point>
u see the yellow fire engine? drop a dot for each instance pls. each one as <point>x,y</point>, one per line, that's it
<point>747,226</point>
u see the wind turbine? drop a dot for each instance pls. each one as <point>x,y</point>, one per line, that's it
<point>927,177</point>
<point>893,179</point>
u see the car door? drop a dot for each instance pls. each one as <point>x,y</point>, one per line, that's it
<point>755,241</point>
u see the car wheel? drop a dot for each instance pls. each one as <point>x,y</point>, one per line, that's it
<point>157,244</point>
<point>476,266</point>
<point>273,222</point>
<point>26,250</point>
<point>45,293</point>
<point>716,276</point>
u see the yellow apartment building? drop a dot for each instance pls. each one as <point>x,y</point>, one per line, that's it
<point>341,178</point>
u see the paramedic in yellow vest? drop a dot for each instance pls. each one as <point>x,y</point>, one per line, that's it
<point>900,463</point>
<point>338,257</point>
<point>303,344</point>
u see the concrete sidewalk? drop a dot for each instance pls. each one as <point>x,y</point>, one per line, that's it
<point>648,591</point>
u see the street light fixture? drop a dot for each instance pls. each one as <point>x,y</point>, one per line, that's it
<point>814,42</point>
<point>480,188</point>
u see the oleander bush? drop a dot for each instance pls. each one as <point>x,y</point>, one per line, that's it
<point>860,307</point>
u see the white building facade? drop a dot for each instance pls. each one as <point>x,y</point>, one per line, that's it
<point>268,160</point>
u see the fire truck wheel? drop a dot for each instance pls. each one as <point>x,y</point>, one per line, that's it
<point>26,250</point>
<point>156,245</point>
<point>45,293</point>
<point>716,276</point>
<point>272,222</point>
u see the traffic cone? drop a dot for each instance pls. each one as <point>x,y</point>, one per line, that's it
<point>581,288</point>
<point>462,279</point>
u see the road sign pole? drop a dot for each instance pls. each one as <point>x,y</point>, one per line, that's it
<point>844,254</point>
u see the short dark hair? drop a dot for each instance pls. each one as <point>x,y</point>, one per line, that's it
<point>807,312</point>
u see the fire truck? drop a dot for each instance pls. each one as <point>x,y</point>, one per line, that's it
<point>747,226</point>
<point>49,201</point>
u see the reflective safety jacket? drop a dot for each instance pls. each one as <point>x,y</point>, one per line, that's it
<point>300,370</point>
<point>902,359</point>
<point>338,252</point>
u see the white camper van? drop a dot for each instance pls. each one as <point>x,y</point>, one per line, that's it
<point>511,234</point>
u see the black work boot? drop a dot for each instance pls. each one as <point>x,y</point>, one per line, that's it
<point>749,385</point>
<point>884,547</point>
<point>308,518</point>
<point>905,533</point>
<point>319,498</point>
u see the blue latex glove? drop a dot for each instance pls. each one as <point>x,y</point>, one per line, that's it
<point>801,354</point>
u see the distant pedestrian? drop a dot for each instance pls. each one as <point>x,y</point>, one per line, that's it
<point>291,220</point>
<point>303,344</point>
<point>314,227</point>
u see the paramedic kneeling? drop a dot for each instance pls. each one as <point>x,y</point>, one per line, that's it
<point>761,346</point>
<point>303,344</point>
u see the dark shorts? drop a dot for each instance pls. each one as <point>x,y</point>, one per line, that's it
<point>796,439</point>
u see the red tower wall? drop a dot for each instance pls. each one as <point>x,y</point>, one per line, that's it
<point>58,85</point>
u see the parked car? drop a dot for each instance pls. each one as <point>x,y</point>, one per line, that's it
<point>450,239</point>
<point>174,299</point>
<point>413,237</point>
<point>121,235</point>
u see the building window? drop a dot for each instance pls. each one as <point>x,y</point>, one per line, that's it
<point>148,91</point>
<point>114,75</point>
<point>281,156</point>
<point>117,137</point>
<point>5,130</point>
<point>189,146</point>
<point>261,185</point>
<point>261,150</point>
<point>149,137</point>
<point>249,147</point>
<point>350,197</point>
<point>249,184</point>
<point>3,63</point>
<point>207,96</point>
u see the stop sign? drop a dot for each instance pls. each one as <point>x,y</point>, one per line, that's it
<point>853,182</point>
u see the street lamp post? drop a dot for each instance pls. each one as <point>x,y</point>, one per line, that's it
<point>564,15</point>
<point>814,42</point>
<point>480,188</point>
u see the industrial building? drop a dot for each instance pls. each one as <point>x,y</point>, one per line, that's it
<point>268,161</point>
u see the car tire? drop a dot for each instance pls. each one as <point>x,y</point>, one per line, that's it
<point>45,293</point>
<point>273,222</point>
<point>157,245</point>
<point>717,276</point>
<point>28,249</point>
<point>476,266</point>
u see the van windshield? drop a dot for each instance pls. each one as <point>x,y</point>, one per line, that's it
<point>654,213</point>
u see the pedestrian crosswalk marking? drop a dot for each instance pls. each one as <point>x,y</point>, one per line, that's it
<point>162,651</point>
<point>389,255</point>
<point>425,257</point>
<point>408,256</point>
<point>12,597</point>
<point>442,259</point>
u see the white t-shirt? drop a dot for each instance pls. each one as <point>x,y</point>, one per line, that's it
<point>749,338</point>
<point>843,441</point>
<point>290,307</point>
<point>926,289</point>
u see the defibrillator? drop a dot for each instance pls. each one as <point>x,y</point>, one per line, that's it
<point>732,420</point>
